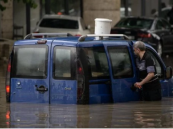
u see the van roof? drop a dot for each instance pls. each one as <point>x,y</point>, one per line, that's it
<point>73,40</point>
<point>69,40</point>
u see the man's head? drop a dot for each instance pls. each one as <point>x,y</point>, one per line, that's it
<point>138,47</point>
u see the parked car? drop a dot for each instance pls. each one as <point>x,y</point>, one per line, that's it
<point>73,70</point>
<point>62,24</point>
<point>154,31</point>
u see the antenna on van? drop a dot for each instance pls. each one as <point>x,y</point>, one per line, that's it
<point>101,36</point>
<point>46,35</point>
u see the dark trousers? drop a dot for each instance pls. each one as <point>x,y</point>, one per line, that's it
<point>151,95</point>
<point>152,91</point>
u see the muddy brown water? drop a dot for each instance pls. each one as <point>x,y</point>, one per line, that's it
<point>130,114</point>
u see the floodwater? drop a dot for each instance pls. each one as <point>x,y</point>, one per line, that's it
<point>131,114</point>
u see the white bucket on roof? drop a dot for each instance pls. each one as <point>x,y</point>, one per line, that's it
<point>102,26</point>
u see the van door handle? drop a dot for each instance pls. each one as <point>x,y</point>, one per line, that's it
<point>42,88</point>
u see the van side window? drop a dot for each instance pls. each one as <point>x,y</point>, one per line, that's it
<point>98,62</point>
<point>64,66</point>
<point>157,63</point>
<point>120,61</point>
<point>30,61</point>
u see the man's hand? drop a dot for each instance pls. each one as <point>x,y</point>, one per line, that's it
<point>138,85</point>
<point>146,79</point>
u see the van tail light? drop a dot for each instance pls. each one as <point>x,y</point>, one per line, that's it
<point>7,82</point>
<point>7,89</point>
<point>80,80</point>
<point>144,35</point>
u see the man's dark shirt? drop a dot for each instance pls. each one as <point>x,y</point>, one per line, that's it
<point>147,65</point>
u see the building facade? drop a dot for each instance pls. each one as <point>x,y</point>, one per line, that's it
<point>6,20</point>
<point>13,19</point>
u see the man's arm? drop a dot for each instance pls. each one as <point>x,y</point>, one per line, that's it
<point>145,80</point>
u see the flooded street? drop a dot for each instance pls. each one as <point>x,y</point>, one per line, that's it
<point>130,114</point>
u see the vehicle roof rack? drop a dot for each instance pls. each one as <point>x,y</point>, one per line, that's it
<point>101,36</point>
<point>46,35</point>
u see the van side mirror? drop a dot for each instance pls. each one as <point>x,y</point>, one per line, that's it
<point>168,72</point>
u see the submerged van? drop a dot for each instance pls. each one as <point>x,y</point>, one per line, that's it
<point>77,70</point>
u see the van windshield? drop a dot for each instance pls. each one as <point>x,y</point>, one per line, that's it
<point>30,61</point>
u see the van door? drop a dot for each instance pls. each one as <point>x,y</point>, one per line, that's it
<point>63,83</point>
<point>122,72</point>
<point>29,73</point>
<point>99,89</point>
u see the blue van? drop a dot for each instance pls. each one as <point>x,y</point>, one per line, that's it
<point>77,70</point>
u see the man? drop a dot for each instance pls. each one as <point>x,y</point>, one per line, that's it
<point>149,82</point>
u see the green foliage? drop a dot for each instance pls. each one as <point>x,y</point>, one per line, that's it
<point>1,6</point>
<point>30,2</point>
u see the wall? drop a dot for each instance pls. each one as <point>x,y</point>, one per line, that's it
<point>101,9</point>
<point>6,20</point>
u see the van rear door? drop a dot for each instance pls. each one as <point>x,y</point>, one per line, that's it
<point>29,73</point>
<point>122,71</point>
<point>63,83</point>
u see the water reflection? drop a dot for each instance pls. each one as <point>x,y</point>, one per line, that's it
<point>132,114</point>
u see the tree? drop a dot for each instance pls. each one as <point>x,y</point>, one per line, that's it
<point>30,2</point>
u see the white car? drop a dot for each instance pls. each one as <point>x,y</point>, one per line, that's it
<point>62,24</point>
